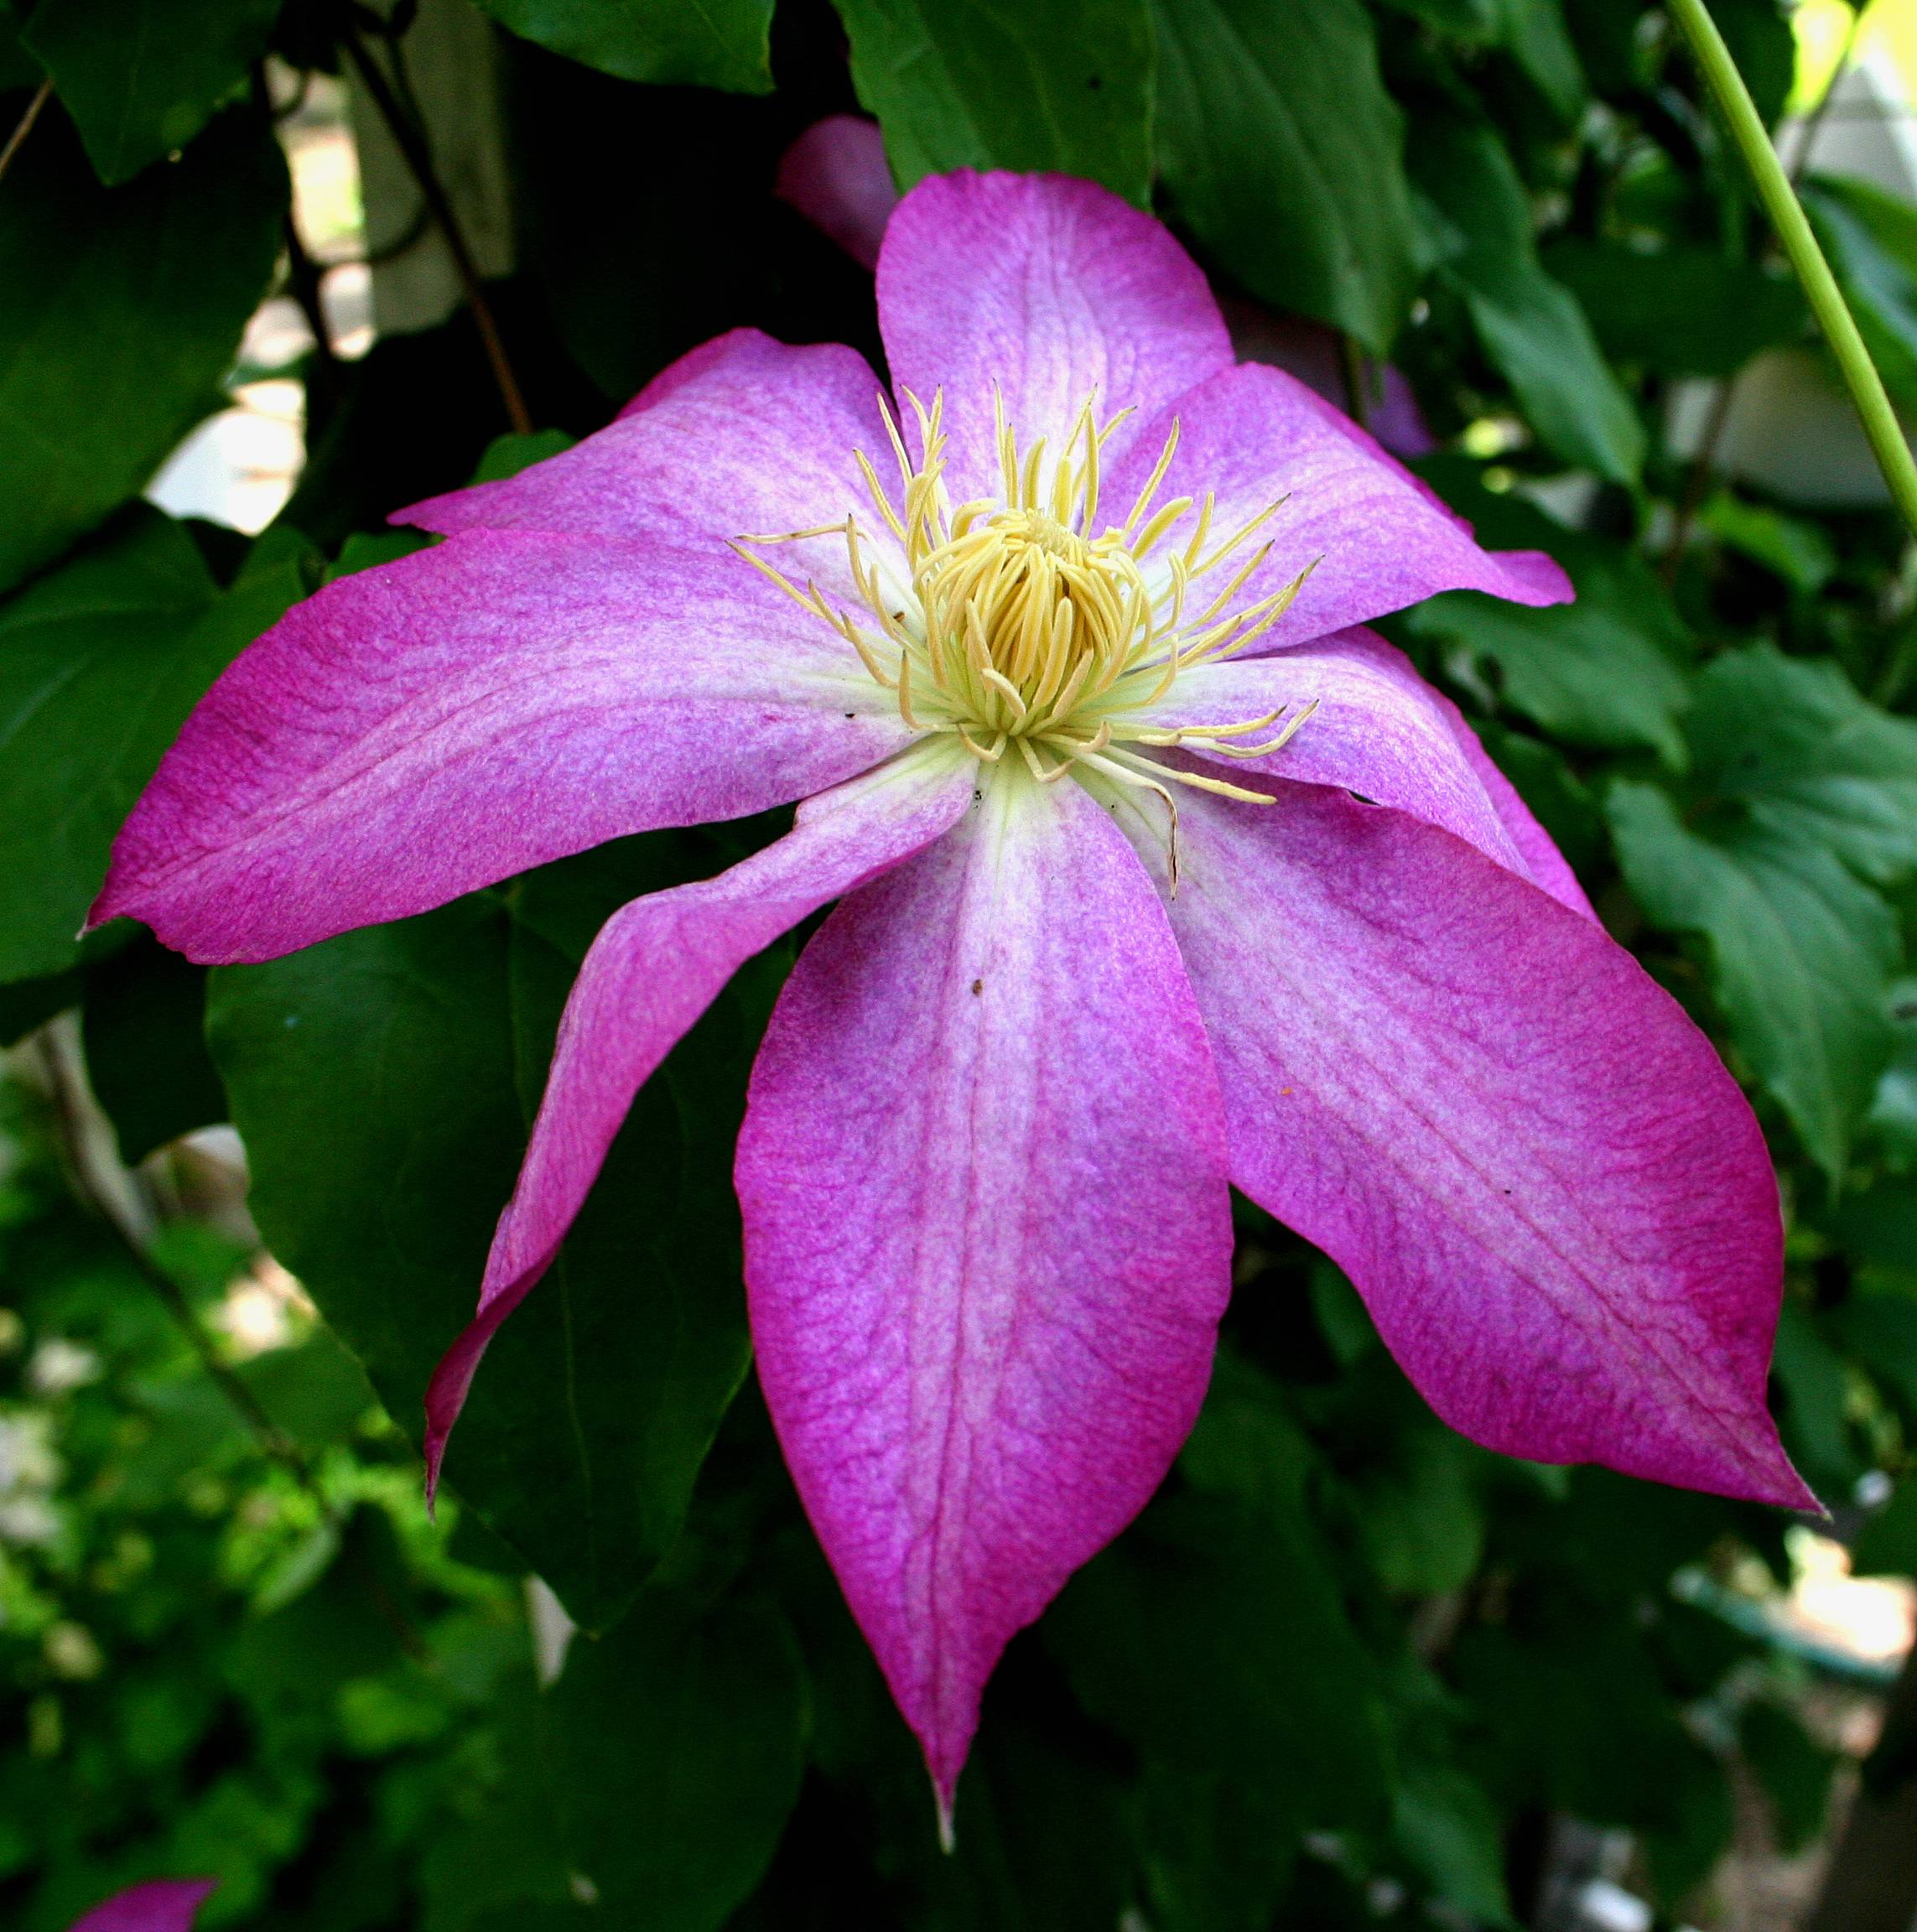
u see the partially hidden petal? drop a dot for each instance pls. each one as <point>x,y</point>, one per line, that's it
<point>1361,718</point>
<point>656,966</point>
<point>1554,1199</point>
<point>416,731</point>
<point>160,1906</point>
<point>837,176</point>
<point>987,1233</point>
<point>743,436</point>
<point>1046,288</point>
<point>1374,538</point>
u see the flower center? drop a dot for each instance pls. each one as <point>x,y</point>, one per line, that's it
<point>1022,623</point>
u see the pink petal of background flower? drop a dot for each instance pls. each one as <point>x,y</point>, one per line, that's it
<point>160,1905</point>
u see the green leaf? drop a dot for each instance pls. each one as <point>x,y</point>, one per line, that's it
<point>123,309</point>
<point>100,663</point>
<point>1802,954</point>
<point>1803,791</point>
<point>1065,87</point>
<point>1604,670</point>
<point>144,1029</point>
<point>1791,741</point>
<point>676,1745</point>
<point>1871,239</point>
<point>1798,550</point>
<point>1211,1635</point>
<point>385,1082</point>
<point>1451,1832</point>
<point>715,43</point>
<point>1887,1545</point>
<point>1281,149</point>
<point>142,77</point>
<point>1680,311</point>
<point>1539,41</point>
<point>1758,34</point>
<point>1531,326</point>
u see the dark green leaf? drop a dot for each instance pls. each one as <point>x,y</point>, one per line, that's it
<point>1798,550</point>
<point>508,455</point>
<point>1757,33</point>
<point>1065,87</point>
<point>1216,1852</point>
<point>315,1391</point>
<point>1531,326</point>
<point>1682,311</point>
<point>1448,1828</point>
<point>1815,1396</point>
<point>146,1047</point>
<point>1603,671</point>
<point>385,1082</point>
<point>123,309</point>
<point>17,67</point>
<point>1211,1636</point>
<point>1801,952</point>
<point>1282,150</point>
<point>100,663</point>
<point>142,77</point>
<point>1871,239</point>
<point>1794,1769</point>
<point>1887,1545</point>
<point>677,1744</point>
<point>715,43</point>
<point>1535,32</point>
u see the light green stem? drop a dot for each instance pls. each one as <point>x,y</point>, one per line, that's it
<point>1794,229</point>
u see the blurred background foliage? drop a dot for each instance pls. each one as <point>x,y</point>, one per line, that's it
<point>1347,1669</point>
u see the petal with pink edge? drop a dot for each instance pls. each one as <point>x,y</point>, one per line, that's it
<point>160,1906</point>
<point>1553,1197</point>
<point>656,966</point>
<point>509,698</point>
<point>743,436</point>
<point>1046,288</point>
<point>987,1233</point>
<point>1367,723</point>
<point>1372,536</point>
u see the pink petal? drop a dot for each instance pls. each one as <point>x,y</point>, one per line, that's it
<point>418,730</point>
<point>1378,729</point>
<point>1551,1195</point>
<point>1049,288</point>
<point>161,1905</point>
<point>987,1236</point>
<point>656,966</point>
<point>837,176</point>
<point>1379,538</point>
<point>743,436</point>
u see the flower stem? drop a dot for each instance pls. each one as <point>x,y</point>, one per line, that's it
<point>1793,226</point>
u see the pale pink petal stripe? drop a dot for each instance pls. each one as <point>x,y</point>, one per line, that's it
<point>1373,537</point>
<point>418,730</point>
<point>1046,288</point>
<point>1377,729</point>
<point>160,1906</point>
<point>656,966</point>
<point>1551,1195</point>
<point>987,1233</point>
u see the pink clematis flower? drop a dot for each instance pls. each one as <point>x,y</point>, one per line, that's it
<point>160,1906</point>
<point>1154,873</point>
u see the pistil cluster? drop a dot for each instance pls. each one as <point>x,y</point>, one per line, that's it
<point>1025,627</point>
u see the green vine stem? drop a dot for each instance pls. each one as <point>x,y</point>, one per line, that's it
<point>1793,226</point>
